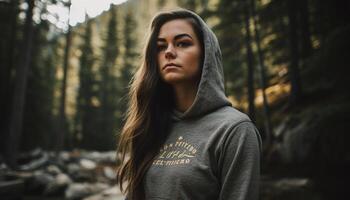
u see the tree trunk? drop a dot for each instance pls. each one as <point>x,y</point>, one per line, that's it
<point>322,21</point>
<point>20,89</point>
<point>250,63</point>
<point>305,28</point>
<point>294,54</point>
<point>5,74</point>
<point>62,125</point>
<point>261,65</point>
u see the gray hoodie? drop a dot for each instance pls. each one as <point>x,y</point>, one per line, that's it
<point>213,150</point>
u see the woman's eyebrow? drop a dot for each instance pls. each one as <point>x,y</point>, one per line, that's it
<point>176,37</point>
<point>181,36</point>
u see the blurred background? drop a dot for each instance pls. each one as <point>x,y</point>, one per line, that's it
<point>66,65</point>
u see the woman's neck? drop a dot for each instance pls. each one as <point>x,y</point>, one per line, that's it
<point>184,96</point>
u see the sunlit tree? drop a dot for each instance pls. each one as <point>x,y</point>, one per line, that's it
<point>87,101</point>
<point>108,91</point>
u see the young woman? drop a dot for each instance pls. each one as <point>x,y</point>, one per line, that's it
<point>182,138</point>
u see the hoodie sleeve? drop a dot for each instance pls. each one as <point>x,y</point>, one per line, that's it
<point>239,163</point>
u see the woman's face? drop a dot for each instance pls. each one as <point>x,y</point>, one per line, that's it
<point>179,53</point>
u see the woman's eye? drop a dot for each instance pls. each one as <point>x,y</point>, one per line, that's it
<point>161,47</point>
<point>183,44</point>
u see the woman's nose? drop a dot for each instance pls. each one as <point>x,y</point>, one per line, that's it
<point>170,52</point>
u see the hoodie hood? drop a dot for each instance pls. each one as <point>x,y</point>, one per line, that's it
<point>211,92</point>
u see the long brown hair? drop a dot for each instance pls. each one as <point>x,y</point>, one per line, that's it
<point>151,102</point>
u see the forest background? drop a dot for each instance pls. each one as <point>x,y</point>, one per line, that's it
<point>285,61</point>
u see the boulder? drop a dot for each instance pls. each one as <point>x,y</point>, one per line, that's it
<point>38,182</point>
<point>80,174</point>
<point>87,164</point>
<point>109,173</point>
<point>112,193</point>
<point>287,189</point>
<point>58,185</point>
<point>108,157</point>
<point>81,190</point>
<point>53,170</point>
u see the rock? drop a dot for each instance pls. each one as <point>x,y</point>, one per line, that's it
<point>80,174</point>
<point>81,190</point>
<point>11,189</point>
<point>64,156</point>
<point>287,189</point>
<point>297,146</point>
<point>43,178</point>
<point>87,164</point>
<point>38,182</point>
<point>63,179</point>
<point>109,173</point>
<point>287,183</point>
<point>28,156</point>
<point>58,186</point>
<point>73,168</point>
<point>101,157</point>
<point>35,164</point>
<point>316,136</point>
<point>112,193</point>
<point>3,167</point>
<point>53,170</point>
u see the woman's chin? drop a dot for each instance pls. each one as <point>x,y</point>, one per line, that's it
<point>173,79</point>
<point>180,79</point>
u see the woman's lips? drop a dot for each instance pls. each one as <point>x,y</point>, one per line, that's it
<point>170,65</point>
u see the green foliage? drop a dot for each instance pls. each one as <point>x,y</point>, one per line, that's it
<point>198,6</point>
<point>98,124</point>
<point>129,59</point>
<point>87,110</point>
<point>328,69</point>
<point>38,127</point>
<point>108,91</point>
<point>188,4</point>
<point>274,24</point>
<point>231,38</point>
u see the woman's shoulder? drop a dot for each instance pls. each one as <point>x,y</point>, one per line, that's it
<point>228,115</point>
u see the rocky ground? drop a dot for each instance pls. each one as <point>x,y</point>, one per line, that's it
<point>70,175</point>
<point>91,176</point>
<point>292,188</point>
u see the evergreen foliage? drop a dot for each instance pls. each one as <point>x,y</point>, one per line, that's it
<point>38,127</point>
<point>231,38</point>
<point>87,101</point>
<point>130,56</point>
<point>108,91</point>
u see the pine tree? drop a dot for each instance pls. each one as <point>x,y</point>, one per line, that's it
<point>129,58</point>
<point>108,92</point>
<point>86,102</point>
<point>262,73</point>
<point>250,62</point>
<point>294,72</point>
<point>38,116</point>
<point>231,38</point>
<point>61,134</point>
<point>188,4</point>
<point>8,51</point>
<point>20,87</point>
